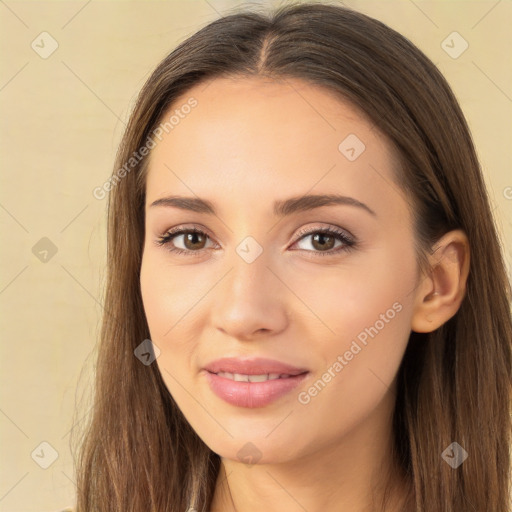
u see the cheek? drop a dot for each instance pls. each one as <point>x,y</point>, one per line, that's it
<point>368,310</point>
<point>368,293</point>
<point>365,310</point>
<point>169,295</point>
<point>359,372</point>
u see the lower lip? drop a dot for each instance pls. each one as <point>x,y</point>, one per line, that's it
<point>252,394</point>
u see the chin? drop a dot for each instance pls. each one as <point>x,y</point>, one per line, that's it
<point>255,450</point>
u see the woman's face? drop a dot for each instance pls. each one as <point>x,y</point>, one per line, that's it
<point>263,280</point>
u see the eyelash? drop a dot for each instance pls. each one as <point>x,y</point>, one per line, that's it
<point>348,242</point>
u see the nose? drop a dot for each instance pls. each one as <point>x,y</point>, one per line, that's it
<point>250,301</point>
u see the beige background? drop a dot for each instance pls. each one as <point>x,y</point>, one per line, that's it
<point>62,118</point>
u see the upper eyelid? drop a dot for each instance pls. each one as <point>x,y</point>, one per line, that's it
<point>335,230</point>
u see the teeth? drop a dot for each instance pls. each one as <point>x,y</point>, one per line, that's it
<point>258,378</point>
<point>240,377</point>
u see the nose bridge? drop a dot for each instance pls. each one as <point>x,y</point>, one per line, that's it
<point>250,255</point>
<point>250,277</point>
<point>250,297</point>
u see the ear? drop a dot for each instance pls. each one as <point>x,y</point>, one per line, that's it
<point>439,295</point>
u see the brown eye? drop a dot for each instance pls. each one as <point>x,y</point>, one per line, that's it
<point>321,241</point>
<point>194,241</point>
<point>184,241</point>
<point>325,242</point>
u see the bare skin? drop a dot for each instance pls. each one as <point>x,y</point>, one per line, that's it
<point>248,143</point>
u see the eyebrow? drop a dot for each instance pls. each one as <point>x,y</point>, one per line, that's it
<point>282,208</point>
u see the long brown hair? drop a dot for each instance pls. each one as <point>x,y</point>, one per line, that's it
<point>138,452</point>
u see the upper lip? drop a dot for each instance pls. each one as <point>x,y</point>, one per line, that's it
<point>252,366</point>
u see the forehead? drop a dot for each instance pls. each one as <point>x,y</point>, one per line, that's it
<point>257,136</point>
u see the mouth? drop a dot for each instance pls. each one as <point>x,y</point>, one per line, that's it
<point>253,367</point>
<point>252,383</point>
<point>240,377</point>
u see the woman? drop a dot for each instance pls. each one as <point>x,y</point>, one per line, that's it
<point>306,306</point>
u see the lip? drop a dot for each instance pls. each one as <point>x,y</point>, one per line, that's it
<point>252,366</point>
<point>252,394</point>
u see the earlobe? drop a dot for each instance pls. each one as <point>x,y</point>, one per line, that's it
<point>441,292</point>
